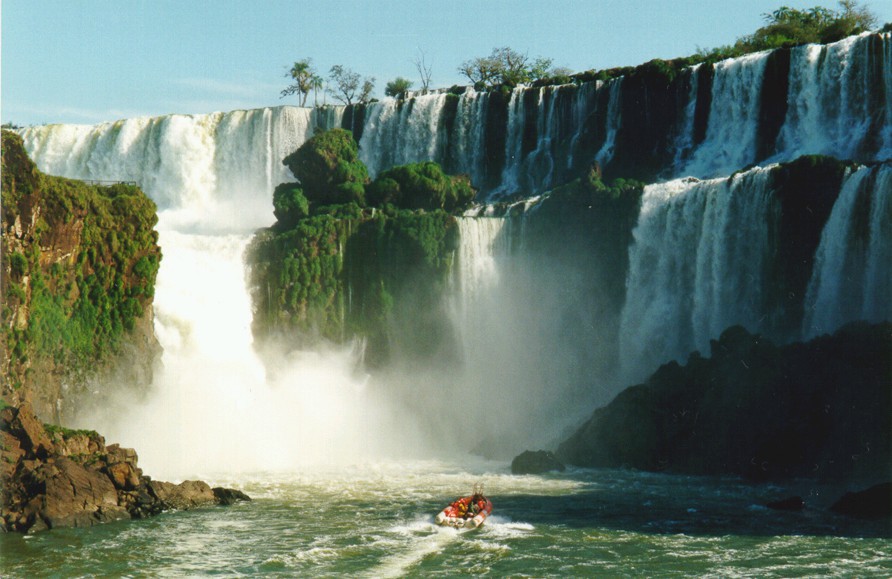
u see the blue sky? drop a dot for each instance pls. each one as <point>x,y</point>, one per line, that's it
<point>87,61</point>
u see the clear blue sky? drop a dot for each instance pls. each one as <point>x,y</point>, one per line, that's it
<point>87,61</point>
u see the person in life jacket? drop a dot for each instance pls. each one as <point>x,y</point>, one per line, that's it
<point>478,503</point>
<point>463,507</point>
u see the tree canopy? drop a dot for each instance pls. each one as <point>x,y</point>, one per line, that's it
<point>331,174</point>
<point>787,26</point>
<point>505,66</point>
<point>398,87</point>
<point>348,87</point>
<point>305,80</point>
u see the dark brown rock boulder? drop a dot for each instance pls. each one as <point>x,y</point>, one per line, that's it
<point>186,495</point>
<point>24,425</point>
<point>75,496</point>
<point>52,477</point>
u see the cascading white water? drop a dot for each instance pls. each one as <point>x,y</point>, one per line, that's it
<point>684,140</point>
<point>401,132</point>
<point>214,405</point>
<point>480,241</point>
<point>614,118</point>
<point>559,117</point>
<point>730,141</point>
<point>831,107</point>
<point>696,267</point>
<point>852,277</point>
<point>220,167</point>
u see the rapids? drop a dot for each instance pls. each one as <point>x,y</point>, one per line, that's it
<point>376,520</point>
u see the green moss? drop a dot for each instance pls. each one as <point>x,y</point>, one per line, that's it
<point>80,307</point>
<point>328,168</point>
<point>421,186</point>
<point>66,433</point>
<point>349,273</point>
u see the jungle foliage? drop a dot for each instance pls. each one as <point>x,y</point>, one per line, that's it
<point>79,265</point>
<point>347,257</point>
<point>785,27</point>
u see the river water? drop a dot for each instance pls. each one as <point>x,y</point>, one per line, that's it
<point>376,520</point>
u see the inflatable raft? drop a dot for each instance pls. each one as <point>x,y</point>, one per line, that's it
<point>465,513</point>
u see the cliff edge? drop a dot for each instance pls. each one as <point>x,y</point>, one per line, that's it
<point>79,263</point>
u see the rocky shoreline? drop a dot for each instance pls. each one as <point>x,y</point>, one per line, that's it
<point>52,478</point>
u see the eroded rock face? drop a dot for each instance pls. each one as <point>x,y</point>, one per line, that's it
<point>66,478</point>
<point>184,496</point>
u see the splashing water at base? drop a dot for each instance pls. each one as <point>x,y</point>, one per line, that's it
<point>376,520</point>
<point>215,406</point>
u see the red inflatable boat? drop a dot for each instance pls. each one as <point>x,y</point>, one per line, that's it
<point>466,513</point>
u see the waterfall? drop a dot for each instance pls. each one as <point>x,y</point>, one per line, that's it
<point>684,140</point>
<point>697,266</point>
<point>213,171</point>
<point>700,260</point>
<point>840,100</point>
<point>852,278</point>
<point>399,132</point>
<point>214,403</point>
<point>614,118</point>
<point>733,120</point>
<point>480,241</point>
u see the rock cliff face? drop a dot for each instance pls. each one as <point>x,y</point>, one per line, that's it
<point>78,273</point>
<point>820,409</point>
<point>52,477</point>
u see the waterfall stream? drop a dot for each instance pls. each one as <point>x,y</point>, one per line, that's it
<point>698,263</point>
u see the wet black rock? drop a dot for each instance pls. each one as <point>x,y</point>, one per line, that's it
<point>536,462</point>
<point>872,503</point>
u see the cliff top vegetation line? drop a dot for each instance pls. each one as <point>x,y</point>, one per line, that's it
<point>506,67</point>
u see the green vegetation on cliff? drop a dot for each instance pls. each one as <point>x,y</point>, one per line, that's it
<point>421,186</point>
<point>784,28</point>
<point>79,266</point>
<point>349,258</point>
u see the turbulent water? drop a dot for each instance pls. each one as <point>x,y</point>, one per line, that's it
<point>376,520</point>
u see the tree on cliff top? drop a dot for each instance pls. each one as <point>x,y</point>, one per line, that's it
<point>329,169</point>
<point>347,88</point>
<point>505,66</point>
<point>787,27</point>
<point>398,87</point>
<point>305,80</point>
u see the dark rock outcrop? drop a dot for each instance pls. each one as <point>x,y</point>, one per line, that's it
<point>872,503</point>
<point>536,462</point>
<point>51,478</point>
<point>229,496</point>
<point>821,409</point>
